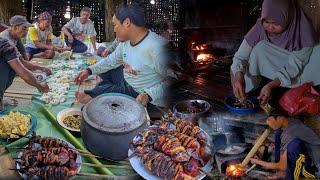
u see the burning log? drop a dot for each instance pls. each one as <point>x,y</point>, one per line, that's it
<point>235,170</point>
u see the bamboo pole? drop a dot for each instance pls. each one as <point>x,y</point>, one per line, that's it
<point>106,165</point>
<point>255,148</point>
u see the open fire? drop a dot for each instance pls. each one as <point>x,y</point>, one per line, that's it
<point>201,54</point>
<point>204,58</point>
<point>235,170</point>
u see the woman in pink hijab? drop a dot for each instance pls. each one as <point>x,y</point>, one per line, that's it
<point>280,47</point>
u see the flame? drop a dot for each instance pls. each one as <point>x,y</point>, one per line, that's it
<point>198,47</point>
<point>204,58</point>
<point>235,170</point>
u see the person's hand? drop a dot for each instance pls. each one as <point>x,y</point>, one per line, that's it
<point>80,37</point>
<point>255,161</point>
<point>43,87</point>
<point>45,70</point>
<point>83,75</point>
<point>238,86</point>
<point>129,69</point>
<point>143,98</point>
<point>105,53</point>
<point>265,94</point>
<point>70,39</point>
<point>67,48</point>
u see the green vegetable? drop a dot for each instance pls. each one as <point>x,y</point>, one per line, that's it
<point>72,139</point>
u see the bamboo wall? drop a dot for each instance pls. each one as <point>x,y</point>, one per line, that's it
<point>9,8</point>
<point>312,10</point>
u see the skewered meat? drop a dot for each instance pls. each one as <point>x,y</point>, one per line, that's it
<point>47,142</point>
<point>171,146</point>
<point>51,156</point>
<point>161,164</point>
<point>51,172</point>
<point>192,167</point>
<point>186,127</point>
<point>48,158</point>
<point>165,143</point>
<point>153,136</point>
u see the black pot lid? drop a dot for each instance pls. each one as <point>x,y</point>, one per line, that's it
<point>113,112</point>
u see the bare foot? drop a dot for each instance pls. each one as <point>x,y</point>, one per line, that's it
<point>82,97</point>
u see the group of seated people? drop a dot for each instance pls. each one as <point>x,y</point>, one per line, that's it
<point>281,47</point>
<point>135,64</point>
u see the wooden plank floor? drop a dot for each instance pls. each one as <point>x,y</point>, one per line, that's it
<point>212,85</point>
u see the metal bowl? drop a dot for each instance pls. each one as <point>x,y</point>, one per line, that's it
<point>191,109</point>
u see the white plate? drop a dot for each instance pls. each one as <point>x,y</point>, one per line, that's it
<point>141,169</point>
<point>68,112</point>
<point>41,75</point>
<point>76,55</point>
<point>26,177</point>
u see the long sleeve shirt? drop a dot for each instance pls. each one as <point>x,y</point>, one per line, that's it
<point>275,61</point>
<point>147,59</point>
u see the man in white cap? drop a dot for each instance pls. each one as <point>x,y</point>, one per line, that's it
<point>18,29</point>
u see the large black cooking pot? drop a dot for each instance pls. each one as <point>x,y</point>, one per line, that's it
<point>110,121</point>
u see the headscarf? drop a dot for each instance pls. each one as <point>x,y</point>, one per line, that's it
<point>45,16</point>
<point>298,33</point>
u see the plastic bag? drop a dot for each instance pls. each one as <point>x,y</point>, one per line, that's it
<point>302,99</point>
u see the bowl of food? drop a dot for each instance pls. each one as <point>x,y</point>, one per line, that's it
<point>70,119</point>
<point>191,109</point>
<point>40,76</point>
<point>247,106</point>
<point>15,124</point>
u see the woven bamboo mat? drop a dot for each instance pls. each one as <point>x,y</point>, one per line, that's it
<point>7,163</point>
<point>20,90</point>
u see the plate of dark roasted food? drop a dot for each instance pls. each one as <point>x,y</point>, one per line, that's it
<point>171,150</point>
<point>246,106</point>
<point>48,158</point>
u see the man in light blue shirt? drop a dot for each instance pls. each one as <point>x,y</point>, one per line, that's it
<point>141,52</point>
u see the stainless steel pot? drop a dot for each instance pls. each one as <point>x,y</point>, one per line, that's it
<point>110,121</point>
<point>191,109</point>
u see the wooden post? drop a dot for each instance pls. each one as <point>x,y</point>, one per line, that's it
<point>110,7</point>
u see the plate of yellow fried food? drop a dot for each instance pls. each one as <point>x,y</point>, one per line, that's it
<point>16,124</point>
<point>70,119</point>
<point>91,60</point>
